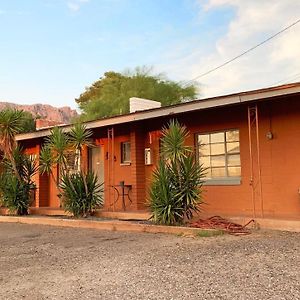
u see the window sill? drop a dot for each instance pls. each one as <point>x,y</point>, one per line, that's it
<point>223,181</point>
<point>125,164</point>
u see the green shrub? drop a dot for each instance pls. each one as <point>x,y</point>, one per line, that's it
<point>81,193</point>
<point>16,168</point>
<point>176,189</point>
<point>166,208</point>
<point>16,194</point>
<point>17,188</point>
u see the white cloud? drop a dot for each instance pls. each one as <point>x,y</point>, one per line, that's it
<point>253,22</point>
<point>75,5</point>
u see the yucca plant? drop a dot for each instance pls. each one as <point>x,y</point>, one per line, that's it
<point>173,142</point>
<point>16,191</point>
<point>78,200</point>
<point>17,169</point>
<point>164,205</point>
<point>47,162</point>
<point>58,143</point>
<point>16,194</point>
<point>78,190</point>
<point>176,189</point>
<point>10,124</point>
<point>79,137</point>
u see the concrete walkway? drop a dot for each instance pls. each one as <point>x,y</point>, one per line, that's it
<point>117,222</point>
<point>102,224</point>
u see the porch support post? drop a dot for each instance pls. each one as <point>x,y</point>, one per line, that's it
<point>137,143</point>
<point>37,178</point>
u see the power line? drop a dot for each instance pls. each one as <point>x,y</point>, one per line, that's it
<point>245,52</point>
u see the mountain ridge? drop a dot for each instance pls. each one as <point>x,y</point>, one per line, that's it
<point>62,114</point>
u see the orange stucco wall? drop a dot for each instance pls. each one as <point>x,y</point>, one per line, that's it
<point>115,171</point>
<point>280,158</point>
<point>279,161</point>
<point>46,194</point>
<point>233,199</point>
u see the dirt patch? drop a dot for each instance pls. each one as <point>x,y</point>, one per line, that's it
<point>42,262</point>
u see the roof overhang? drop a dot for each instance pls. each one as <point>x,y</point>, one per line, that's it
<point>238,98</point>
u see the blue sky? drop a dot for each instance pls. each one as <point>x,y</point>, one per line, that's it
<point>51,49</point>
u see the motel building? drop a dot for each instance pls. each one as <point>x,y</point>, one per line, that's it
<point>249,142</point>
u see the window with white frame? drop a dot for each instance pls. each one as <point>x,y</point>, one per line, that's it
<point>219,153</point>
<point>125,153</point>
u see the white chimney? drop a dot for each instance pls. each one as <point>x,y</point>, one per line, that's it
<point>136,104</point>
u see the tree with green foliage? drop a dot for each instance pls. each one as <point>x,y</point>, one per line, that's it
<point>110,94</point>
<point>28,122</point>
<point>176,189</point>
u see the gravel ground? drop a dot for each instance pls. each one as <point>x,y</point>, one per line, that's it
<point>41,262</point>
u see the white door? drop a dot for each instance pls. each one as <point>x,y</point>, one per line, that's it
<point>96,162</point>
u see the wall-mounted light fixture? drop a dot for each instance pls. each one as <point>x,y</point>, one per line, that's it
<point>269,135</point>
<point>148,156</point>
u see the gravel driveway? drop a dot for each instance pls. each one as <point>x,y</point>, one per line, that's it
<point>41,262</point>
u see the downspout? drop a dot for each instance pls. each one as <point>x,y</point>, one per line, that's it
<point>251,162</point>
<point>108,166</point>
<point>258,162</point>
<point>113,161</point>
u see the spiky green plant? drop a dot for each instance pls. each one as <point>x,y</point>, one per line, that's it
<point>164,205</point>
<point>17,191</point>
<point>16,183</point>
<point>46,162</point>
<point>176,189</point>
<point>76,199</point>
<point>58,142</point>
<point>10,125</point>
<point>173,141</point>
<point>16,195</point>
<point>80,136</point>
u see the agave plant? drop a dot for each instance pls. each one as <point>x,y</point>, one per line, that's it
<point>176,189</point>
<point>78,200</point>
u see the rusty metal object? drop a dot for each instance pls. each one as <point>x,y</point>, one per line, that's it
<point>217,222</point>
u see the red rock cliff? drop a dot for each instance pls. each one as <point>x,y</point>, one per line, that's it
<point>58,114</point>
